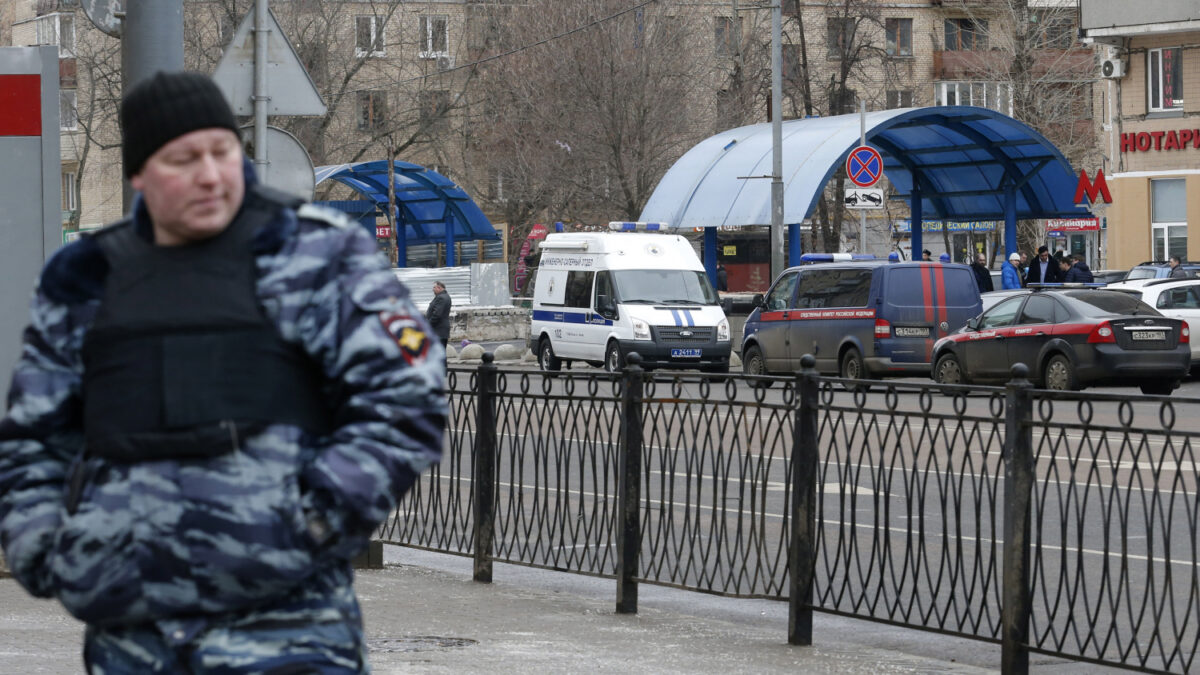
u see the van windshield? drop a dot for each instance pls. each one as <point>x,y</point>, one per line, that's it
<point>667,287</point>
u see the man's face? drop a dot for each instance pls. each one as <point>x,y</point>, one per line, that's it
<point>1173,263</point>
<point>1044,256</point>
<point>1064,265</point>
<point>980,259</point>
<point>1024,258</point>
<point>437,289</point>
<point>193,186</point>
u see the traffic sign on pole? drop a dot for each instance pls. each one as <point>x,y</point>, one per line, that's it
<point>864,166</point>
<point>292,90</point>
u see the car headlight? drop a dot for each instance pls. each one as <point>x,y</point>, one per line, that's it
<point>723,330</point>
<point>641,330</point>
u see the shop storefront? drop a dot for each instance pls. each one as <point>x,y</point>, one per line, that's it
<point>965,238</point>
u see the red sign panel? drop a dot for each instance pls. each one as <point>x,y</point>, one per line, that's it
<point>864,166</point>
<point>20,105</point>
<point>1073,224</point>
<point>1092,188</point>
<point>383,231</point>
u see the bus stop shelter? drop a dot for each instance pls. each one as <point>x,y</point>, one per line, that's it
<point>430,208</point>
<point>946,163</point>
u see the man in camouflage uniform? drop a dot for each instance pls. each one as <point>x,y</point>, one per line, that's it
<point>219,399</point>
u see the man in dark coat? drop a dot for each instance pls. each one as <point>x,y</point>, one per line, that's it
<point>722,277</point>
<point>1079,271</point>
<point>983,276</point>
<point>438,313</point>
<point>1043,270</point>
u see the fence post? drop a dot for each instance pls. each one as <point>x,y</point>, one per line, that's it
<point>629,486</point>
<point>483,479</point>
<point>802,551</point>
<point>1018,500</point>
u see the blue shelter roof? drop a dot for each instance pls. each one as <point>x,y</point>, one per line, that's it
<point>962,156</point>
<point>427,201</point>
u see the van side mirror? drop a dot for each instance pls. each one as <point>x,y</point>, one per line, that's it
<point>758,300</point>
<point>973,323</point>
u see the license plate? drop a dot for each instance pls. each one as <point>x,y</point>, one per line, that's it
<point>1148,335</point>
<point>685,353</point>
<point>911,331</point>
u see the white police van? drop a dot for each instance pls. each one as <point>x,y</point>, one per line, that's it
<point>601,295</point>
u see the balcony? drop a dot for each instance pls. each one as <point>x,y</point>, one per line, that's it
<point>993,64</point>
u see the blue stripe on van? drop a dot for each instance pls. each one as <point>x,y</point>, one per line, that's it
<point>571,317</point>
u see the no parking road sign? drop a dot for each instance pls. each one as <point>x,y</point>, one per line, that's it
<point>864,166</point>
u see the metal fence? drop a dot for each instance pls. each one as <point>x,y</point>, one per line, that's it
<point>1044,522</point>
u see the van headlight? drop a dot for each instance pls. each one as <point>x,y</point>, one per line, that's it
<point>723,331</point>
<point>641,330</point>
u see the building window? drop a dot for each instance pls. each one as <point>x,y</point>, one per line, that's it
<point>899,98</point>
<point>1164,78</point>
<point>70,197</point>
<point>57,29</point>
<point>1168,215</point>
<point>843,101</point>
<point>727,35</point>
<point>434,36</point>
<point>839,33</point>
<point>992,95</point>
<point>68,114</point>
<point>899,37</point>
<point>368,36</point>
<point>969,34</point>
<point>434,105</point>
<point>372,110</point>
<point>1056,30</point>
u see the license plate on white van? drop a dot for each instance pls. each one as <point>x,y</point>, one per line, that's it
<point>911,331</point>
<point>685,353</point>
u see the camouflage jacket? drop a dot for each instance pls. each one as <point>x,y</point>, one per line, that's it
<point>165,539</point>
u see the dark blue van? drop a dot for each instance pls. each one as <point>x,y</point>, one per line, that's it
<point>859,319</point>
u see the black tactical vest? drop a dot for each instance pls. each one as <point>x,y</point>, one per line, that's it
<point>181,360</point>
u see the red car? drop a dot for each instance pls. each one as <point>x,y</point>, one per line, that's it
<point>1070,339</point>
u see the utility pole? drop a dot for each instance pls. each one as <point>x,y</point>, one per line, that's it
<point>777,260</point>
<point>151,40</point>
<point>262,32</point>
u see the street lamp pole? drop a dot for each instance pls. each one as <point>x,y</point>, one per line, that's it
<point>777,259</point>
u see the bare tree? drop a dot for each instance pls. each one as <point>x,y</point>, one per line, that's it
<point>588,106</point>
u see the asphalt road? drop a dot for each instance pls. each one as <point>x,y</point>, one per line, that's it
<point>909,483</point>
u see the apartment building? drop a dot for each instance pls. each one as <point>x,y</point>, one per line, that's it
<point>1150,65</point>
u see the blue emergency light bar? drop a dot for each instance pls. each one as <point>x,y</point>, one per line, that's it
<point>624,226</point>
<point>834,257</point>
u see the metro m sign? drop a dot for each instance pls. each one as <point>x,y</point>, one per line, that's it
<point>1092,189</point>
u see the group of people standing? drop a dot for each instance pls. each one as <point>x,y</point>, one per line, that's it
<point>1045,269</point>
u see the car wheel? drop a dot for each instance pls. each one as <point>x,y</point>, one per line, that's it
<point>852,368</point>
<point>1159,388</point>
<point>753,363</point>
<point>1060,374</point>
<point>948,370</point>
<point>547,361</point>
<point>612,357</point>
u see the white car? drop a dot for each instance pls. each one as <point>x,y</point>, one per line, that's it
<point>1176,298</point>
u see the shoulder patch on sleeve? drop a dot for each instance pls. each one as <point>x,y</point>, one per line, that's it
<point>325,215</point>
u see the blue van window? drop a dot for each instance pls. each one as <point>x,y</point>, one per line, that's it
<point>834,288</point>
<point>906,287</point>
<point>780,296</point>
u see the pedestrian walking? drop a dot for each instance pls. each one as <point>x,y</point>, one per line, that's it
<point>1010,277</point>
<point>438,312</point>
<point>220,398</point>
<point>927,255</point>
<point>983,276</point>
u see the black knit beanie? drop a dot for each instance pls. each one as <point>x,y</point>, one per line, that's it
<point>166,106</point>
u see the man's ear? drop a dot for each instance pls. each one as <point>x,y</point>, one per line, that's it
<point>136,182</point>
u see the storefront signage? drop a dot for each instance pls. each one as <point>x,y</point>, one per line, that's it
<point>904,226</point>
<point>1056,227</point>
<point>1145,141</point>
<point>383,231</point>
